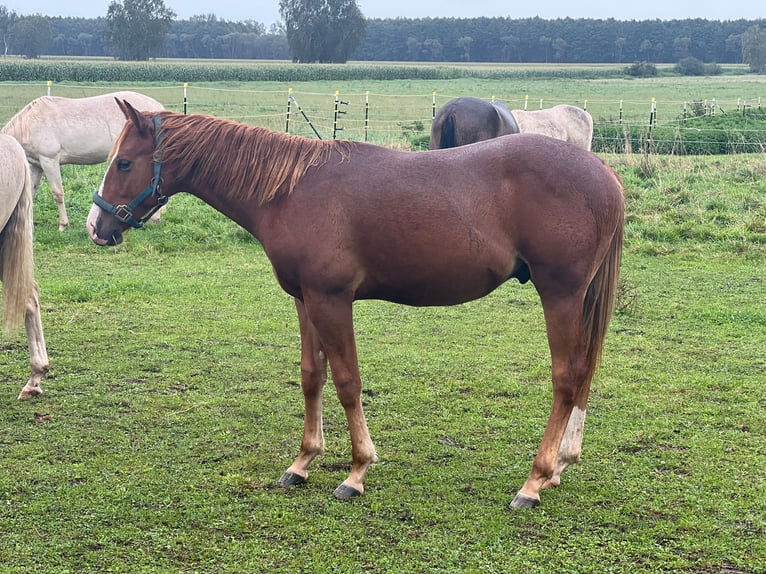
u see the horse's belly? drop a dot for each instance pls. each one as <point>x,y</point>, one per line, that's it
<point>435,286</point>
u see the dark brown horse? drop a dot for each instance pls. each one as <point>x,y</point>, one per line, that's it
<point>341,221</point>
<point>467,120</point>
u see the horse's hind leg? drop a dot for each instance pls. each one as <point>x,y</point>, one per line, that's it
<point>38,354</point>
<point>52,171</point>
<point>562,439</point>
<point>313,378</point>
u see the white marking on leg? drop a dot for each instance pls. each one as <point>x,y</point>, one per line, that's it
<point>571,446</point>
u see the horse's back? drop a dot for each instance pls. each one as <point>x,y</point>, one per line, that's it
<point>139,101</point>
<point>563,122</point>
<point>526,169</point>
<point>73,130</point>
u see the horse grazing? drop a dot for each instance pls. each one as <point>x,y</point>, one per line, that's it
<point>563,122</point>
<point>342,221</point>
<point>20,293</point>
<point>55,131</point>
<point>467,120</point>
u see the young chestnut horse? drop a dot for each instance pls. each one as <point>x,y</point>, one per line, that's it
<point>467,120</point>
<point>20,293</point>
<point>55,131</point>
<point>341,221</point>
<point>564,122</point>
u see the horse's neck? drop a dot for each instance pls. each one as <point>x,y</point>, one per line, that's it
<point>243,213</point>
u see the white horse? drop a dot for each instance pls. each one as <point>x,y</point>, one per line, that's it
<point>20,292</point>
<point>54,131</point>
<point>563,122</point>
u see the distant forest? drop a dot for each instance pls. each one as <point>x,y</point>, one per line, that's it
<point>447,40</point>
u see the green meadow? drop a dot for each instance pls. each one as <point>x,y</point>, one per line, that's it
<point>173,402</point>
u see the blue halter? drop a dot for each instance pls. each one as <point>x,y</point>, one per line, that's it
<point>124,213</point>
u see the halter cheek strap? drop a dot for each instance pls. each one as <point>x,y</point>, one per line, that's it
<point>124,213</point>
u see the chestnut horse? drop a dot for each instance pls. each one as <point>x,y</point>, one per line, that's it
<point>55,131</point>
<point>467,120</point>
<point>342,221</point>
<point>20,293</point>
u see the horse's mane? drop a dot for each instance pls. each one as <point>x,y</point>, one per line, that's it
<point>240,160</point>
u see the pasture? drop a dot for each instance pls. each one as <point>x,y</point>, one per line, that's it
<point>173,401</point>
<point>396,112</point>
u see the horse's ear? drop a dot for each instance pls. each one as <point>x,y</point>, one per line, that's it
<point>134,116</point>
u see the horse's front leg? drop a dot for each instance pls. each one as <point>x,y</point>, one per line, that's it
<point>52,171</point>
<point>38,354</point>
<point>334,322</point>
<point>313,378</point>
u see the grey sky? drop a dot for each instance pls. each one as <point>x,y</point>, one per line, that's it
<point>267,11</point>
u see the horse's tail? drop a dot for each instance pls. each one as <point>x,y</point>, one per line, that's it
<point>600,297</point>
<point>447,135</point>
<point>17,257</point>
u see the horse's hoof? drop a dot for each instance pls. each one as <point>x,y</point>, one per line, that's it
<point>523,501</point>
<point>345,492</point>
<point>291,479</point>
<point>29,393</point>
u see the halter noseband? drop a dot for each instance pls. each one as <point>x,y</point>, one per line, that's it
<point>124,213</point>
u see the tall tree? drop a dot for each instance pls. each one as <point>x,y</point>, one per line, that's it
<point>322,30</point>
<point>31,36</point>
<point>7,20</point>
<point>137,29</point>
<point>754,49</point>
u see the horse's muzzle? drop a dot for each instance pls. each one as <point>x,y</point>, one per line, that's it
<point>113,238</point>
<point>99,229</point>
<point>100,235</point>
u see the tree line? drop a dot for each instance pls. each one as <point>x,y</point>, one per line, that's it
<point>565,40</point>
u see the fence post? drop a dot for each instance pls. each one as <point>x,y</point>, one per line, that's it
<point>526,102</point>
<point>289,102</point>
<point>652,120</point>
<point>338,112</point>
<point>620,120</point>
<point>50,83</point>
<point>366,113</point>
<point>186,100</point>
<point>433,104</point>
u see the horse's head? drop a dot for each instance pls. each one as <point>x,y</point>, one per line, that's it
<point>131,189</point>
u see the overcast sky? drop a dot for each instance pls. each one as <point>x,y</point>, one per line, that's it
<point>267,11</point>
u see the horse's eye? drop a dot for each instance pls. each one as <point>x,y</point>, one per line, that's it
<point>123,164</point>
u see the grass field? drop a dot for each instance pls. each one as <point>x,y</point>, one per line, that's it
<point>173,406</point>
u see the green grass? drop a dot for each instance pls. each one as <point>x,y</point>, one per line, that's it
<point>173,403</point>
